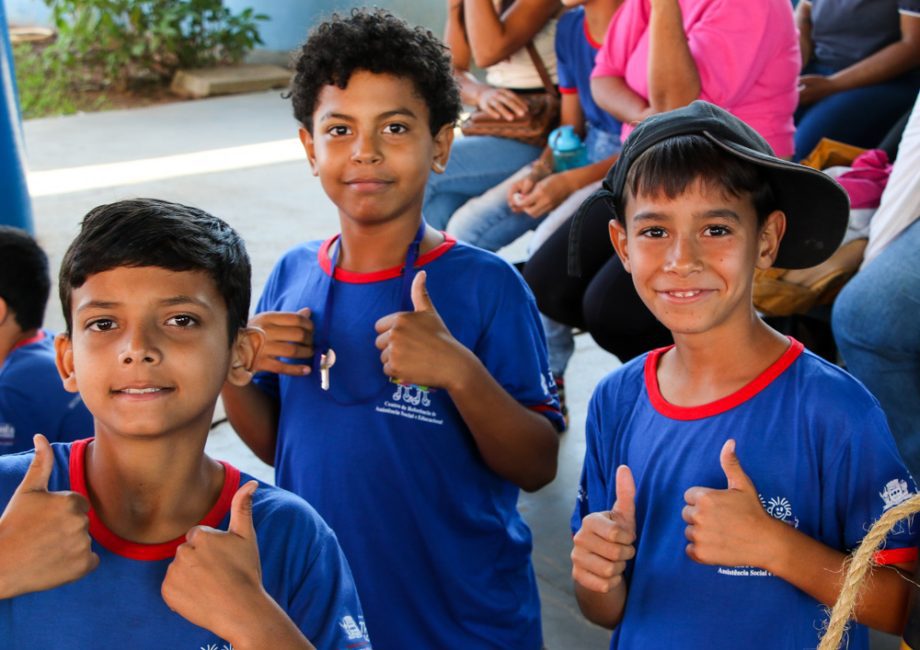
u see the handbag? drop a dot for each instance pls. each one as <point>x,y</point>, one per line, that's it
<point>534,126</point>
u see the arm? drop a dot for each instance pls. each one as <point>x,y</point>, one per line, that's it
<point>493,38</point>
<point>673,78</point>
<point>515,442</point>
<point>254,416</point>
<point>803,24</point>
<point>614,96</point>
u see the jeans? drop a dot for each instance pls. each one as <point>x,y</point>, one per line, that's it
<point>489,222</point>
<point>875,326</point>
<point>861,116</point>
<point>476,164</point>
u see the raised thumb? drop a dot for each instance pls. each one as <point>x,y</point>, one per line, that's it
<point>39,472</point>
<point>734,473</point>
<point>241,512</point>
<point>625,505</point>
<point>421,301</point>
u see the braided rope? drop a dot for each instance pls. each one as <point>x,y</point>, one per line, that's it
<point>858,567</point>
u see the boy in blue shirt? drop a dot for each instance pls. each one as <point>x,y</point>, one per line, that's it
<point>101,538</point>
<point>405,390</point>
<point>769,461</point>
<point>32,397</point>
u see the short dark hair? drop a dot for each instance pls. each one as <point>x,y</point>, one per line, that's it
<point>671,165</point>
<point>24,278</point>
<point>376,41</point>
<point>151,232</point>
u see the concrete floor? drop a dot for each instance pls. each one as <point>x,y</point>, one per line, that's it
<point>238,157</point>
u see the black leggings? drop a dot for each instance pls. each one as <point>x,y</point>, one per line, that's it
<point>602,301</point>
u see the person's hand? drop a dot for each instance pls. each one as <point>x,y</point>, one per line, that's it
<point>44,536</point>
<point>287,334</point>
<point>727,527</point>
<point>416,346</point>
<point>814,87</point>
<point>501,103</point>
<point>215,580</point>
<point>606,540</point>
<point>545,196</point>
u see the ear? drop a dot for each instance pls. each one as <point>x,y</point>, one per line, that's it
<point>306,139</point>
<point>243,355</point>
<point>63,359</point>
<point>618,239</point>
<point>4,311</point>
<point>442,143</point>
<point>769,238</point>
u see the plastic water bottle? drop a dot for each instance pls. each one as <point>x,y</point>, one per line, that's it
<point>569,151</point>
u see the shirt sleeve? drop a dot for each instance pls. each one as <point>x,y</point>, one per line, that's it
<point>909,7</point>
<point>624,33</point>
<point>869,479</point>
<point>567,83</point>
<point>594,487</point>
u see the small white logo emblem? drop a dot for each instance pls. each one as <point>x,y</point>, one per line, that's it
<point>894,493</point>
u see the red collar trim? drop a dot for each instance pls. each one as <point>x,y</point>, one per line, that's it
<point>134,550</point>
<point>588,36</point>
<point>29,341</point>
<point>720,405</point>
<point>386,274</point>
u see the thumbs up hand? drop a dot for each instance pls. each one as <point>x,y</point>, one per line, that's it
<point>606,539</point>
<point>44,536</point>
<point>727,527</point>
<point>215,580</point>
<point>416,347</point>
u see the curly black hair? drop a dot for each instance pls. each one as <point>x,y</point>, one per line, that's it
<point>376,41</point>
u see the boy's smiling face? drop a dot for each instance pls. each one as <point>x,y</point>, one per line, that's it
<point>149,351</point>
<point>693,257</point>
<point>372,147</point>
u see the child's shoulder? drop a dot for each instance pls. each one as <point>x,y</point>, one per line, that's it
<point>275,509</point>
<point>623,383</point>
<point>13,468</point>
<point>823,383</point>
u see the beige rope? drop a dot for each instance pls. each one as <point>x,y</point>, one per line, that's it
<point>858,567</point>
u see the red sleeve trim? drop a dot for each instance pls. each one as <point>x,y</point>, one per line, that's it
<point>568,91</point>
<point>134,550</point>
<point>896,556</point>
<point>386,274</point>
<point>726,403</point>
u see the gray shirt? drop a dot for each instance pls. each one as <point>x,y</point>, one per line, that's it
<point>847,31</point>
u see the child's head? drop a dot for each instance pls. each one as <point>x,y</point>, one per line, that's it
<point>24,279</point>
<point>378,42</point>
<point>154,233</point>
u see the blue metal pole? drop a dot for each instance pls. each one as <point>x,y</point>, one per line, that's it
<point>15,206</point>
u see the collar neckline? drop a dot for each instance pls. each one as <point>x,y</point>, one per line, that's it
<point>720,405</point>
<point>135,550</point>
<point>352,277</point>
<point>40,336</point>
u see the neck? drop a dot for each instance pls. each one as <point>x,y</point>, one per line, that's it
<point>368,248</point>
<point>151,490</point>
<point>10,338</point>
<point>598,15</point>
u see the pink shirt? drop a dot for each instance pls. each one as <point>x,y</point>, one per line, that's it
<point>746,51</point>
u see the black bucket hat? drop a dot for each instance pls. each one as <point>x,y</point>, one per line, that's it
<point>817,208</point>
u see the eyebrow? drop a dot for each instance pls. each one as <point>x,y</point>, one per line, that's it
<point>166,302</point>
<point>332,115</point>
<point>722,213</point>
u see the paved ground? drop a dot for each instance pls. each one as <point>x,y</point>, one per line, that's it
<point>238,157</point>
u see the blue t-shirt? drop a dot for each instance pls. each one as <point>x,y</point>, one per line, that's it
<point>575,54</point>
<point>815,444</point>
<point>845,32</point>
<point>118,605</point>
<point>440,555</point>
<point>33,399</point>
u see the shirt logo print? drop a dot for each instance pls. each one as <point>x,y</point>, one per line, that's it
<point>895,492</point>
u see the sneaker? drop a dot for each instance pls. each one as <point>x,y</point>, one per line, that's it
<point>560,392</point>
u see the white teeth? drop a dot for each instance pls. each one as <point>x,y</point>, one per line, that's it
<point>141,391</point>
<point>684,294</point>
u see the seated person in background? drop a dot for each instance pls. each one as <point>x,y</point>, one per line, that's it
<point>32,397</point>
<point>771,462</point>
<point>492,34</point>
<point>875,316</point>
<point>860,61</point>
<point>136,537</point>
<point>658,55</point>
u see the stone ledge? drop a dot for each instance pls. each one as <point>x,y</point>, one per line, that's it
<point>227,80</point>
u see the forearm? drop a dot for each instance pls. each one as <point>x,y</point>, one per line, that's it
<point>455,36</point>
<point>604,609</point>
<point>268,626</point>
<point>614,96</point>
<point>254,416</point>
<point>493,38</point>
<point>515,442</point>
<point>819,571</point>
<point>673,78</point>
<point>470,88</point>
<point>803,23</point>
<point>887,63</point>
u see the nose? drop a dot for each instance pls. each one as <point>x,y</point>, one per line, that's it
<point>683,256</point>
<point>367,148</point>
<point>140,347</point>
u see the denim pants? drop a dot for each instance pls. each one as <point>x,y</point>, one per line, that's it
<point>875,322</point>
<point>476,164</point>
<point>861,116</point>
